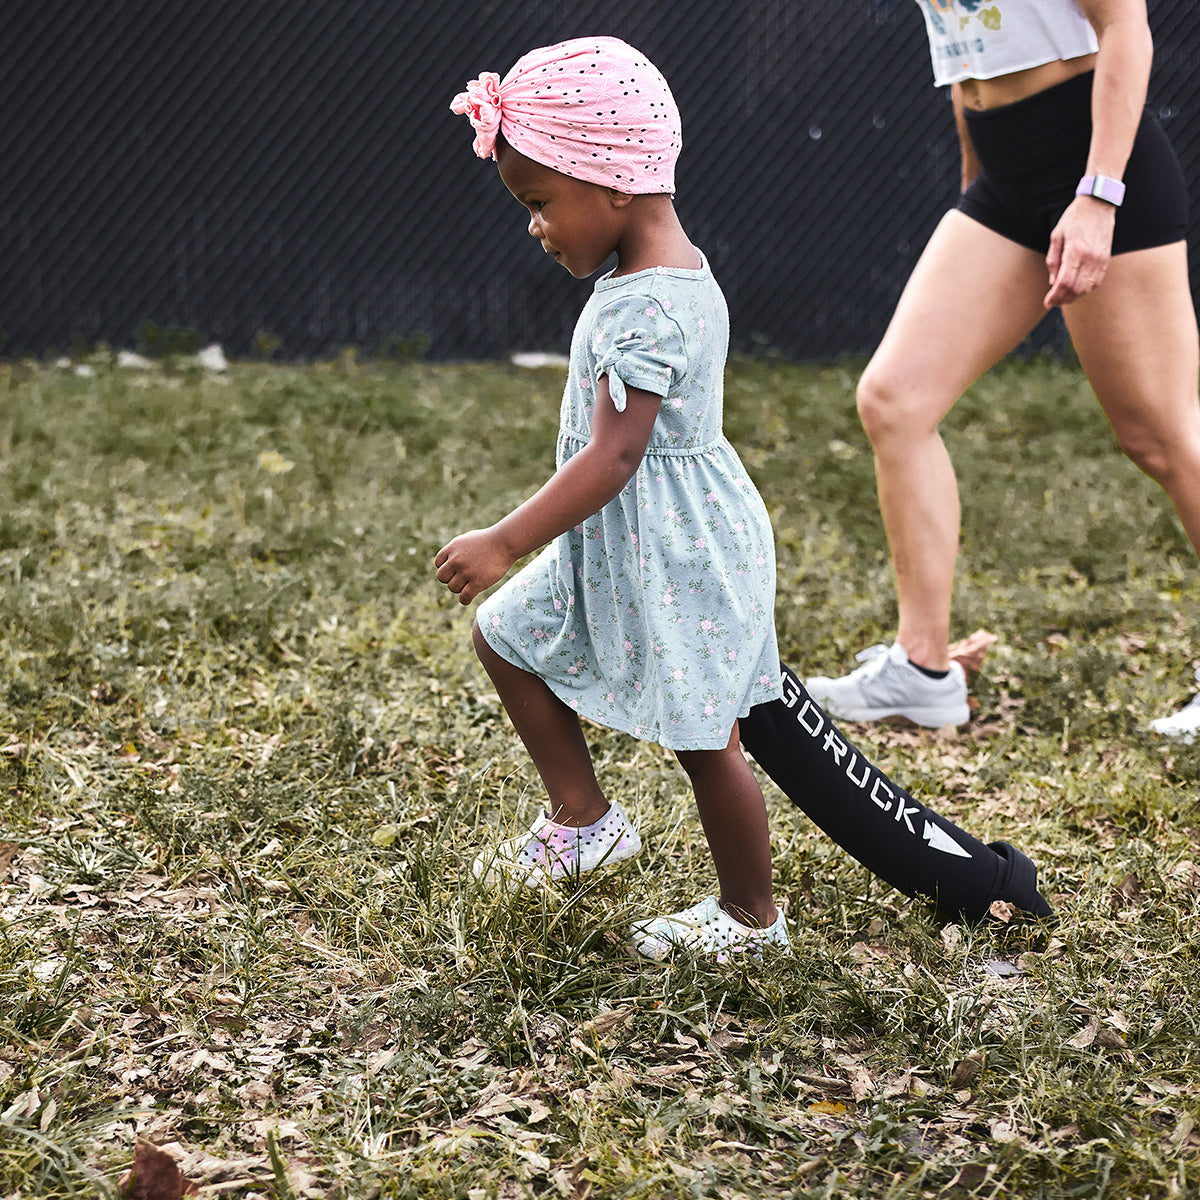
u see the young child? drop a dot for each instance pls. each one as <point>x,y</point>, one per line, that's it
<point>651,609</point>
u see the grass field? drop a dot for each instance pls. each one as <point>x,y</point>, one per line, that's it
<point>246,753</point>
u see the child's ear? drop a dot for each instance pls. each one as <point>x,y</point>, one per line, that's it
<point>619,199</point>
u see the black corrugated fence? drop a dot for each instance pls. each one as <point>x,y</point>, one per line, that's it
<point>288,174</point>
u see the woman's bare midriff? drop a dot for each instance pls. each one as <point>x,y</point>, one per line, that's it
<point>980,94</point>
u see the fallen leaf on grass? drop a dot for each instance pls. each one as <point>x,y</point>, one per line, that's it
<point>970,652</point>
<point>1086,1036</point>
<point>1004,1131</point>
<point>967,1071</point>
<point>385,835</point>
<point>274,463</point>
<point>1129,644</point>
<point>1183,1134</point>
<point>726,1039</point>
<point>606,1021</point>
<point>1002,968</point>
<point>969,1174</point>
<point>900,1086</point>
<point>951,937</point>
<point>666,1070</point>
<point>1127,892</point>
<point>861,1083</point>
<point>154,1176</point>
<point>281,1131</point>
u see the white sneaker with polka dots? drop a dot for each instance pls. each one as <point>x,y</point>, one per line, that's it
<point>552,851</point>
<point>706,928</point>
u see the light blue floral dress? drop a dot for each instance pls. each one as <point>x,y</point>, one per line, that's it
<point>656,615</point>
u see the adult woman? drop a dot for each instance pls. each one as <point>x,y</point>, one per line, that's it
<point>1049,100</point>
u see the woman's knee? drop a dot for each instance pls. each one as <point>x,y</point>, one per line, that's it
<point>1160,454</point>
<point>1145,453</point>
<point>888,409</point>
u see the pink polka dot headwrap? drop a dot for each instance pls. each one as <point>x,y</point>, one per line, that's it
<point>592,108</point>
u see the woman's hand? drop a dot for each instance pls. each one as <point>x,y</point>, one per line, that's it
<point>1080,249</point>
<point>472,562</point>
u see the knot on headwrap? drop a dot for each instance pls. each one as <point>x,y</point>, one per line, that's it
<point>592,108</point>
<point>481,104</point>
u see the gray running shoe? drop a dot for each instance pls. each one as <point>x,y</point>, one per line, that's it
<point>888,685</point>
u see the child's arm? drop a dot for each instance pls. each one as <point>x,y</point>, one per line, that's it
<point>583,485</point>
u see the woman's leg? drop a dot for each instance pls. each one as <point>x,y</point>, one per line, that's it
<point>734,817</point>
<point>1137,341</point>
<point>552,735</point>
<point>972,297</point>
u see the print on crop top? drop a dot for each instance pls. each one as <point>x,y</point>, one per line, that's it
<point>981,39</point>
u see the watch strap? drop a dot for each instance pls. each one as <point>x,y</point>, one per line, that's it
<point>1111,191</point>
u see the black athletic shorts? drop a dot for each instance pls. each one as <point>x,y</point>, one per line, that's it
<point>1033,153</point>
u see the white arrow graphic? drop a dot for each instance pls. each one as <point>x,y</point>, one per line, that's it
<point>939,839</point>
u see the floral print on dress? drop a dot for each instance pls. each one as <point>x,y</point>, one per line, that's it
<point>654,616</point>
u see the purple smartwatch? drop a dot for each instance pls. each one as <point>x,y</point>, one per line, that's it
<point>1111,191</point>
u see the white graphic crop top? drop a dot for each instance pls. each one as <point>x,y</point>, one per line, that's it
<point>980,39</point>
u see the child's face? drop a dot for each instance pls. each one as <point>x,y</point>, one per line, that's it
<point>579,223</point>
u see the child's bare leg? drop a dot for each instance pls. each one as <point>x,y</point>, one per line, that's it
<point>552,735</point>
<point>734,816</point>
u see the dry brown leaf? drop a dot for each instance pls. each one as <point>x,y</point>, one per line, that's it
<point>1128,889</point>
<point>494,1105</point>
<point>833,1108</point>
<point>966,1073</point>
<point>1005,1131</point>
<point>970,652</point>
<point>1187,874</point>
<point>154,1176</point>
<point>1129,644</point>
<point>1086,1036</point>
<point>1183,1132</point>
<point>726,1039</point>
<point>666,1070</point>
<point>606,1021</point>
<point>969,1175</point>
<point>1118,1020</point>
<point>827,1082</point>
<point>861,1083</point>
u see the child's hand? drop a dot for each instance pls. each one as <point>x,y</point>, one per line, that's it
<point>472,562</point>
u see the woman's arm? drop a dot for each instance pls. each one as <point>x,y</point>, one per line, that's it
<point>584,484</point>
<point>970,164</point>
<point>1081,244</point>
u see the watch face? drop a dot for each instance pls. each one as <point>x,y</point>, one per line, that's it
<point>1112,190</point>
<point>1103,188</point>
